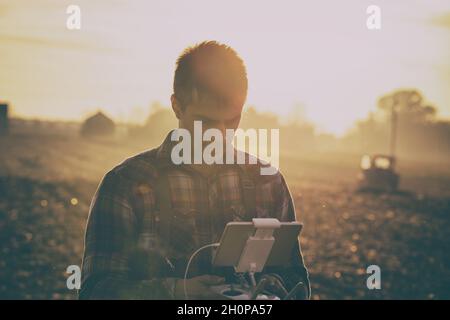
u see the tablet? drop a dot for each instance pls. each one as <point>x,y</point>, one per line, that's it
<point>236,234</point>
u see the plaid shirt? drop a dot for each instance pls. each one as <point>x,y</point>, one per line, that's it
<point>132,252</point>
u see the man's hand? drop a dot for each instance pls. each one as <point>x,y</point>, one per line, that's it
<point>199,288</point>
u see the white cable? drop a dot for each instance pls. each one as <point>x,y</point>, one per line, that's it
<point>189,262</point>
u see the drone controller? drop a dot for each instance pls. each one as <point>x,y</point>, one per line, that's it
<point>249,247</point>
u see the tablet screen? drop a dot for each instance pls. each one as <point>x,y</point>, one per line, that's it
<point>235,236</point>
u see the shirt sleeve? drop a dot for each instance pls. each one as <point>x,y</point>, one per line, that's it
<point>297,272</point>
<point>110,240</point>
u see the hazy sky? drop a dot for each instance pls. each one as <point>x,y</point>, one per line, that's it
<point>317,54</point>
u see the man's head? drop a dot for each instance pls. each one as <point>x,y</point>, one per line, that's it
<point>210,85</point>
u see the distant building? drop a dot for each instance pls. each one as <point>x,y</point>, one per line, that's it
<point>98,125</point>
<point>4,121</point>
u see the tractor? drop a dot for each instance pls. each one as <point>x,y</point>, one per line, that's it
<point>378,173</point>
<point>378,170</point>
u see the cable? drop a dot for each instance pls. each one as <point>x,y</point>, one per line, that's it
<point>189,262</point>
<point>294,290</point>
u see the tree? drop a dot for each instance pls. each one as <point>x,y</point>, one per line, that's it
<point>409,105</point>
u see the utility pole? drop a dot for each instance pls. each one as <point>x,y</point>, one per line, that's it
<point>393,133</point>
<point>4,121</point>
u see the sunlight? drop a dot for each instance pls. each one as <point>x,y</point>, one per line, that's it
<point>123,57</point>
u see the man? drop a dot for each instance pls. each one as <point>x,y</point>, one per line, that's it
<point>149,215</point>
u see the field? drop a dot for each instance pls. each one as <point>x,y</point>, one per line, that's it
<point>47,181</point>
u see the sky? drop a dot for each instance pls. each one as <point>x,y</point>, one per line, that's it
<point>314,56</point>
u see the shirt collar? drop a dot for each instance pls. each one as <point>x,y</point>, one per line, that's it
<point>164,151</point>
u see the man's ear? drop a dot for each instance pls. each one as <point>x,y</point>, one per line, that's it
<point>176,107</point>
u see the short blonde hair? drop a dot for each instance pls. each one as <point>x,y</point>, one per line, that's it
<point>210,70</point>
